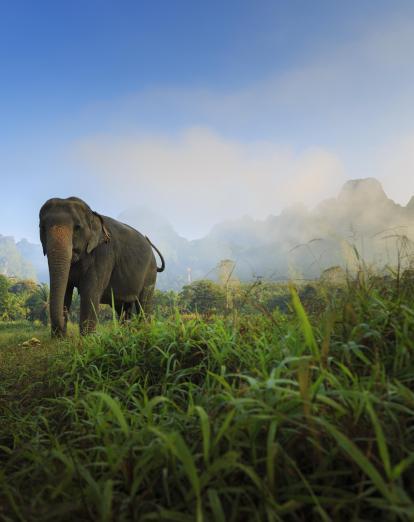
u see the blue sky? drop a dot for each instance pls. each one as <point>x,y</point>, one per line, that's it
<point>202,110</point>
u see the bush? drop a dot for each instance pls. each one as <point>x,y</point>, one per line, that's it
<point>38,304</point>
<point>202,296</point>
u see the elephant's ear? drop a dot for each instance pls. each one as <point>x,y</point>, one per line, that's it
<point>99,232</point>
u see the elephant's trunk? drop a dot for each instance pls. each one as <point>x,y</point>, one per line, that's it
<point>59,255</point>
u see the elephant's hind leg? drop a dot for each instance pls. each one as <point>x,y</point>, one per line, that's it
<point>124,311</point>
<point>128,310</point>
<point>145,301</point>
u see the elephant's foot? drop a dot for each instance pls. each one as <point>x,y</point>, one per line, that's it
<point>87,327</point>
<point>58,332</point>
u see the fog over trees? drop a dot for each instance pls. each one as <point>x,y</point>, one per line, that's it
<point>297,243</point>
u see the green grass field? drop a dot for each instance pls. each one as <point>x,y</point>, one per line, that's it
<point>298,416</point>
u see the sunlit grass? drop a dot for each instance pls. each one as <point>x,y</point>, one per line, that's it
<point>13,334</point>
<point>282,417</point>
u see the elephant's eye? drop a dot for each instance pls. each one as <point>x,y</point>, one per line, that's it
<point>76,228</point>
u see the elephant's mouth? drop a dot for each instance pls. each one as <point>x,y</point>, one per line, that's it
<point>76,254</point>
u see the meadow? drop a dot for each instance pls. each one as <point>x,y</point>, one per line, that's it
<point>298,415</point>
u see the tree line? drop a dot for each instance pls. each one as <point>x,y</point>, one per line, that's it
<point>27,300</point>
<point>23,299</point>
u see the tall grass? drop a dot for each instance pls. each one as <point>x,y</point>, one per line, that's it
<point>251,418</point>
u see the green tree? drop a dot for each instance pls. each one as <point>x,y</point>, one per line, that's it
<point>164,302</point>
<point>4,290</point>
<point>202,296</point>
<point>14,297</point>
<point>14,308</point>
<point>38,304</point>
<point>23,286</point>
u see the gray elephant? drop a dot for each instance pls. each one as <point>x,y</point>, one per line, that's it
<point>107,261</point>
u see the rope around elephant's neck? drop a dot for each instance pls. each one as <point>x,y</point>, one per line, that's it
<point>107,235</point>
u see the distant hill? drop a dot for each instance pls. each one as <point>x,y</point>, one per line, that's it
<point>13,262</point>
<point>33,253</point>
<point>298,241</point>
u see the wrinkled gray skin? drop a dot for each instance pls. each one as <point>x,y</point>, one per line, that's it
<point>97,255</point>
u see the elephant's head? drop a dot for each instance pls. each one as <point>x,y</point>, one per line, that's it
<point>69,230</point>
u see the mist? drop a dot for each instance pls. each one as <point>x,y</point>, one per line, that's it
<point>200,178</point>
<point>357,223</point>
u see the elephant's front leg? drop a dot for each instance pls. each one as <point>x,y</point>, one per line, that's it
<point>89,307</point>
<point>91,288</point>
<point>66,306</point>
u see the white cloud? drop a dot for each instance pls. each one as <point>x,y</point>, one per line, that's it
<point>200,178</point>
<point>349,100</point>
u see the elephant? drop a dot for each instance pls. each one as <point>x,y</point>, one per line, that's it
<point>108,262</point>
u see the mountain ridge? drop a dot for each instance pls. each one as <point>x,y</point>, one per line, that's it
<point>298,239</point>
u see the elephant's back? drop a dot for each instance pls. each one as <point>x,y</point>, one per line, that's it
<point>134,259</point>
<point>126,234</point>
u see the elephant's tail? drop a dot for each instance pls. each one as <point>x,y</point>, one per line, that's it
<point>162,267</point>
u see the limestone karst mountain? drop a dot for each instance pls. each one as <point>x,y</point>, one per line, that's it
<point>12,262</point>
<point>298,241</point>
<point>33,254</point>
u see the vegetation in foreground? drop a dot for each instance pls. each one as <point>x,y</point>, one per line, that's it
<point>306,415</point>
